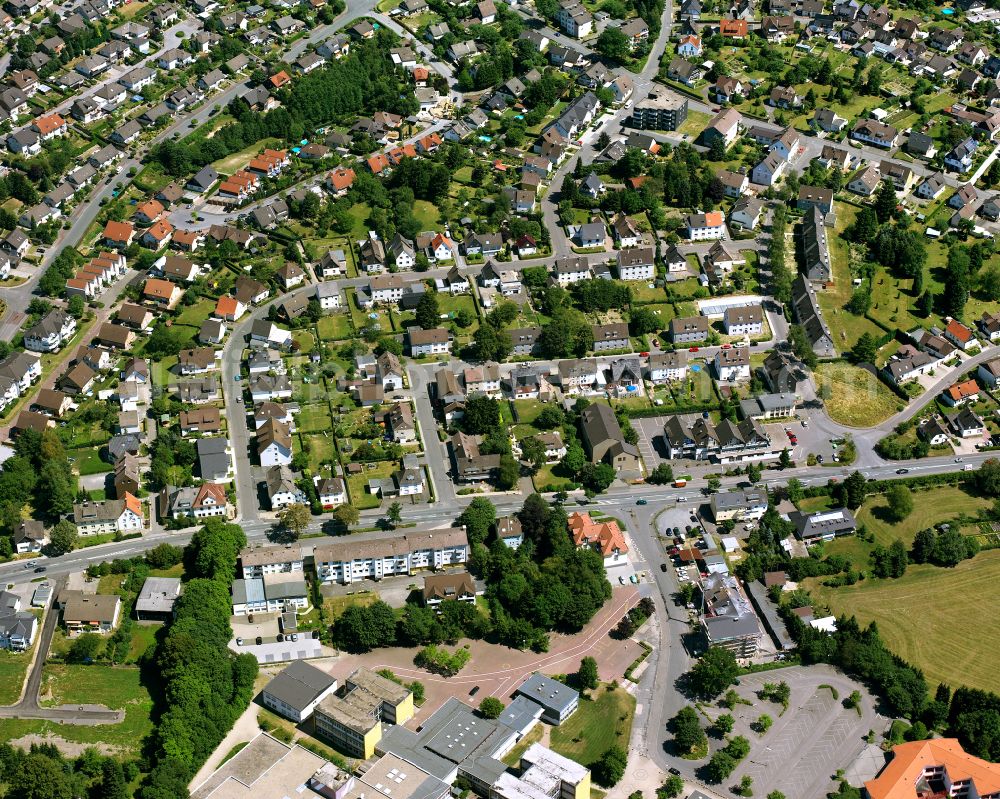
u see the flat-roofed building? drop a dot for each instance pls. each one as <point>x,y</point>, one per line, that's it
<point>558,701</point>
<point>268,769</point>
<point>296,691</point>
<point>157,598</point>
<point>353,720</point>
<point>271,593</point>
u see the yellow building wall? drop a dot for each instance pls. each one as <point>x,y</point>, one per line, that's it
<point>404,710</point>
<point>372,737</point>
<point>583,789</point>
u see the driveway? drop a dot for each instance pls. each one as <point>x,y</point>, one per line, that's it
<point>649,430</point>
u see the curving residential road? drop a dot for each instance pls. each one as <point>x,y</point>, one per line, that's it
<point>29,708</point>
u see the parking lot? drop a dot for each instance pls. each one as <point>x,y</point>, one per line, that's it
<point>650,444</point>
<point>810,740</point>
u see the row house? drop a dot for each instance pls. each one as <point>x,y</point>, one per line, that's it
<point>18,371</point>
<point>351,560</point>
<point>54,330</point>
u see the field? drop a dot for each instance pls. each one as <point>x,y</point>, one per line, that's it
<point>426,214</point>
<point>12,670</point>
<point>116,687</point>
<point>88,461</point>
<point>855,397</point>
<point>927,612</point>
<point>598,724</point>
<point>930,507</point>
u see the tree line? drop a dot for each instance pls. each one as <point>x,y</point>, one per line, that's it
<point>205,687</point>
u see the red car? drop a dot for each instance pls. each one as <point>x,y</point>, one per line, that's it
<point>692,349</point>
<point>793,439</point>
<point>644,354</point>
<point>727,346</point>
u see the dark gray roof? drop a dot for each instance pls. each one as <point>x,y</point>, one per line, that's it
<point>299,685</point>
<point>550,694</point>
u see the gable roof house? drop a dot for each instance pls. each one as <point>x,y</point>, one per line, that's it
<point>604,441</point>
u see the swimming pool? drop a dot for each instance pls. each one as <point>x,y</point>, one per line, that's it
<point>947,11</point>
<point>486,139</point>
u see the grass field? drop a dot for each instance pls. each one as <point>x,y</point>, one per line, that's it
<point>528,410</point>
<point>320,449</point>
<point>88,461</point>
<point>335,327</point>
<point>930,507</point>
<point>336,605</point>
<point>535,734</point>
<point>856,397</point>
<point>600,722</point>
<point>117,687</point>
<point>13,667</point>
<point>194,315</point>
<point>927,612</point>
<point>357,485</point>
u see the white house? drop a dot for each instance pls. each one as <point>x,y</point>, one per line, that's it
<point>733,364</point>
<point>704,227</point>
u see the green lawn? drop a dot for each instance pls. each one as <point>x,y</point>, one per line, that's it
<point>937,603</point>
<point>930,507</point>
<point>359,213</point>
<point>535,734</point>
<point>642,293</point>
<point>305,340</point>
<point>695,123</point>
<point>856,397</point>
<point>88,461</point>
<point>599,723</point>
<point>13,668</point>
<point>320,449</point>
<point>194,315</point>
<point>335,327</point>
<point>314,418</point>
<point>357,485</point>
<point>528,410</point>
<point>336,605</point>
<point>427,214</point>
<point>143,637</point>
